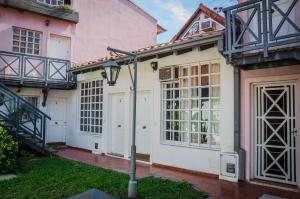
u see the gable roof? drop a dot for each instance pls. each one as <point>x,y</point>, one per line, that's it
<point>202,8</point>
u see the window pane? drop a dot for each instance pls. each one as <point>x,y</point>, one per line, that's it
<point>204,115</point>
<point>204,92</point>
<point>215,115</point>
<point>215,127</point>
<point>205,104</point>
<point>215,92</point>
<point>194,81</point>
<point>184,82</point>
<point>204,139</point>
<point>204,80</point>
<point>204,69</point>
<point>215,68</point>
<point>215,140</point>
<point>194,138</point>
<point>204,127</point>
<point>215,79</point>
<point>194,127</point>
<point>194,70</point>
<point>215,103</point>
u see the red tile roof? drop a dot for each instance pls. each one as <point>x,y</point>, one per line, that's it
<point>141,50</point>
<point>202,8</point>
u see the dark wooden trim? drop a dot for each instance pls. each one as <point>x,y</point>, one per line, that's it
<point>42,9</point>
<point>187,171</point>
<point>276,58</point>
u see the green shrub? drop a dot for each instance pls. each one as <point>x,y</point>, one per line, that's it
<point>66,7</point>
<point>8,152</point>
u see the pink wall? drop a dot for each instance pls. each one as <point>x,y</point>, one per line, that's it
<point>115,23</point>
<point>102,23</point>
<point>11,17</point>
<point>259,76</point>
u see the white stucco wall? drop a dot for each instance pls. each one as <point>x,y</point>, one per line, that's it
<point>198,159</point>
<point>67,95</point>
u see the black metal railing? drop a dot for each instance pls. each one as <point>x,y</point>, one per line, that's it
<point>23,67</point>
<point>25,117</point>
<point>259,25</point>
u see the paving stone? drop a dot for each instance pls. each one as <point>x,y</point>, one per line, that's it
<point>266,196</point>
<point>92,194</point>
<point>7,177</point>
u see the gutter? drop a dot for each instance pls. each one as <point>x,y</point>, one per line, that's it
<point>237,124</point>
<point>163,49</point>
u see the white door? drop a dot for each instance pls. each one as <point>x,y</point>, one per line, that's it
<point>143,123</point>
<point>117,123</point>
<point>59,47</point>
<point>275,132</point>
<point>56,127</point>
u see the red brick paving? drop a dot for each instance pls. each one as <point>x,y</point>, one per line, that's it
<point>214,187</point>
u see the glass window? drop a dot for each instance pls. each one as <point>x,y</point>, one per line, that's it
<point>91,104</point>
<point>52,2</point>
<point>195,120</point>
<point>33,100</point>
<point>26,41</point>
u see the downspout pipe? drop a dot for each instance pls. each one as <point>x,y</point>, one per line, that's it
<point>237,124</point>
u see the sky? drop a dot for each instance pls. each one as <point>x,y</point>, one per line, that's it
<point>172,14</point>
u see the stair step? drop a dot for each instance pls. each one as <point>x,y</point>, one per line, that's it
<point>24,135</point>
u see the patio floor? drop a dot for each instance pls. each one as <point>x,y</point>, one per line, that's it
<point>214,187</point>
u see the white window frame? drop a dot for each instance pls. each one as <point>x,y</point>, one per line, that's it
<point>189,110</point>
<point>50,2</point>
<point>26,41</point>
<point>89,114</point>
<point>25,97</point>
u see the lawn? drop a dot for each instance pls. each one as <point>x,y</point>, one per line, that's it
<point>52,178</point>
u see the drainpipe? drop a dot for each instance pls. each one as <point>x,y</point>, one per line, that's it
<point>237,124</point>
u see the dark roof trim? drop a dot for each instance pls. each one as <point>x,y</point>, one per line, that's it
<point>42,9</point>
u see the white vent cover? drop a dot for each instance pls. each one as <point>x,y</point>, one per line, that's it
<point>229,166</point>
<point>96,148</point>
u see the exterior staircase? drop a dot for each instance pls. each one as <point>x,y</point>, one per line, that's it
<point>24,122</point>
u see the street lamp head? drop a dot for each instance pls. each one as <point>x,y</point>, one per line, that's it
<point>112,70</point>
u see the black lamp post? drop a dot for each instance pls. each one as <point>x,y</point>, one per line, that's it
<point>112,70</point>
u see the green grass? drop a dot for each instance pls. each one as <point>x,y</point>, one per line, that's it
<point>52,178</point>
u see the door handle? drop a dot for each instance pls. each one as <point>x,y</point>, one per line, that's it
<point>55,123</point>
<point>119,125</point>
<point>144,127</point>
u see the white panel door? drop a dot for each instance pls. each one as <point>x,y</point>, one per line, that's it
<point>143,123</point>
<point>59,47</point>
<point>275,132</point>
<point>57,126</point>
<point>117,123</point>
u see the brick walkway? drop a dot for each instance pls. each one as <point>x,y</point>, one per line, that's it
<point>214,187</point>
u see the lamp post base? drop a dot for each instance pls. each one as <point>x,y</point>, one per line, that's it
<point>132,189</point>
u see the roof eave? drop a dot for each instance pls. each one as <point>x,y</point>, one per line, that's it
<point>176,46</point>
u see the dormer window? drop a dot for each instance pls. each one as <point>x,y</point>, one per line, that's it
<point>55,2</point>
<point>195,29</point>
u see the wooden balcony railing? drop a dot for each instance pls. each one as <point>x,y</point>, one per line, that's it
<point>261,25</point>
<point>26,69</point>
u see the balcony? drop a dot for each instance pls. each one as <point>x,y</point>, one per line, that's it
<point>260,31</point>
<point>43,9</point>
<point>35,71</point>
